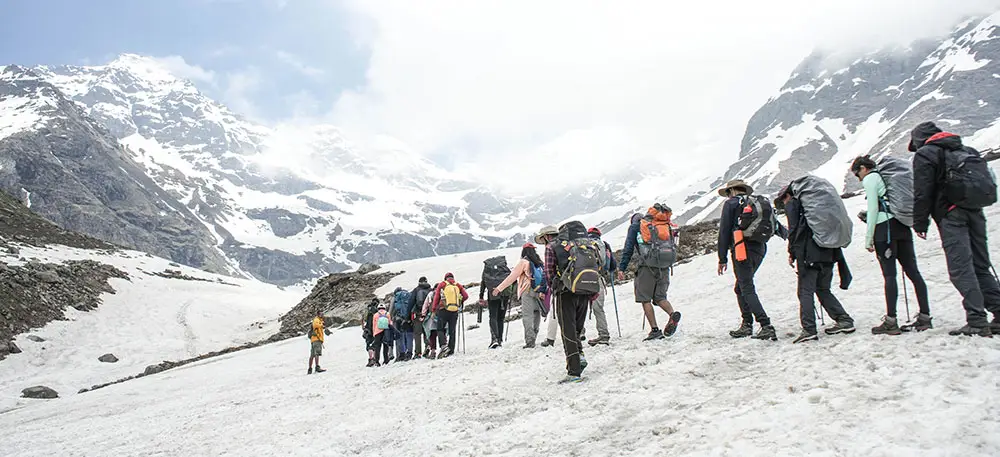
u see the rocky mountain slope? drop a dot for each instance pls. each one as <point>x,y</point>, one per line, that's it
<point>285,204</point>
<point>835,107</point>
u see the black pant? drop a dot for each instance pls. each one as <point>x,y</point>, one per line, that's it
<point>963,236</point>
<point>746,291</point>
<point>900,250</point>
<point>449,320</point>
<point>418,336</point>
<point>378,347</point>
<point>572,314</point>
<point>498,309</point>
<point>815,281</point>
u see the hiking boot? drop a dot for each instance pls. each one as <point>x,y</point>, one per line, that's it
<point>889,327</point>
<point>495,344</point>
<point>675,318</point>
<point>745,330</point>
<point>840,327</point>
<point>995,325</point>
<point>528,346</point>
<point>444,353</point>
<point>605,340</point>
<point>371,363</point>
<point>548,343</point>
<point>427,353</point>
<point>417,356</point>
<point>654,334</point>
<point>583,362</point>
<point>570,379</point>
<point>972,331</point>
<point>310,370</point>
<point>766,332</point>
<point>319,370</point>
<point>805,336</point>
<point>920,323</point>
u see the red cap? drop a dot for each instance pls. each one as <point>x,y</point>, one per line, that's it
<point>594,230</point>
<point>449,275</point>
<point>528,245</point>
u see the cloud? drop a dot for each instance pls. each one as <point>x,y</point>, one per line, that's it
<point>298,65</point>
<point>177,66</point>
<point>239,89</point>
<point>506,86</point>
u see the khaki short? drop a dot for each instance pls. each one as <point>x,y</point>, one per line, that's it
<point>651,285</point>
<point>317,349</point>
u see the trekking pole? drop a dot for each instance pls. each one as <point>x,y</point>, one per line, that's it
<point>506,317</point>
<point>906,298</point>
<point>461,328</point>
<point>614,297</point>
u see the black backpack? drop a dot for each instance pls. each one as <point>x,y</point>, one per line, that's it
<point>968,181</point>
<point>756,218</point>
<point>579,260</point>
<point>495,270</point>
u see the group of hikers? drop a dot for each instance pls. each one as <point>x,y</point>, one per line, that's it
<point>946,181</point>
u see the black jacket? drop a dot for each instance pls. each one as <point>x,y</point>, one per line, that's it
<point>418,295</point>
<point>929,172</point>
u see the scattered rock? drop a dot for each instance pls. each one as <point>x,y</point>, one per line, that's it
<point>13,250</point>
<point>12,348</point>
<point>368,268</point>
<point>108,358</point>
<point>343,297</point>
<point>36,338</point>
<point>39,392</point>
<point>48,276</point>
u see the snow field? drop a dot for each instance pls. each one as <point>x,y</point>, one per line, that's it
<point>699,393</point>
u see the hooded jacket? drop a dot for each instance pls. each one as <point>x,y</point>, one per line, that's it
<point>418,296</point>
<point>931,145</point>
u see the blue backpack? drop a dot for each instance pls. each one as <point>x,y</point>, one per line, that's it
<point>538,280</point>
<point>401,304</point>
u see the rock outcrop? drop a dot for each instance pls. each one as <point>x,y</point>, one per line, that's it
<point>41,392</point>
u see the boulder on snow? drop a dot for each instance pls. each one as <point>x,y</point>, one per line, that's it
<point>36,338</point>
<point>108,358</point>
<point>368,268</point>
<point>13,250</point>
<point>12,348</point>
<point>39,392</point>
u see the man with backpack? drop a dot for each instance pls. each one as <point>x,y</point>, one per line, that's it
<point>572,271</point>
<point>952,184</point>
<point>495,270</point>
<point>747,223</point>
<point>449,299</point>
<point>368,331</point>
<point>814,249</point>
<point>544,237</point>
<point>316,342</point>
<point>653,236</point>
<point>417,298</point>
<point>608,268</point>
<point>403,320</point>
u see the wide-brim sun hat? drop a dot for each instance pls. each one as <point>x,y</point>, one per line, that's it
<point>547,230</point>
<point>735,184</point>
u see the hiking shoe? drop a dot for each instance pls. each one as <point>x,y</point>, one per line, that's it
<point>766,332</point>
<point>444,353</point>
<point>654,334</point>
<point>605,340</point>
<point>371,363</point>
<point>570,379</point>
<point>984,332</point>
<point>494,345</point>
<point>840,327</point>
<point>671,327</point>
<point>745,330</point>
<point>320,370</point>
<point>310,371</point>
<point>805,336</point>
<point>889,327</point>
<point>427,353</point>
<point>528,346</point>
<point>548,343</point>
<point>417,356</point>
<point>920,323</point>
<point>995,325</point>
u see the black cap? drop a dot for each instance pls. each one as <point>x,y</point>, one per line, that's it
<point>422,279</point>
<point>920,134</point>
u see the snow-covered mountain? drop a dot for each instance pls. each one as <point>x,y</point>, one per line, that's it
<point>286,204</point>
<point>835,107</point>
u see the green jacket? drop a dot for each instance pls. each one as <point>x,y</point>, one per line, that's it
<point>874,192</point>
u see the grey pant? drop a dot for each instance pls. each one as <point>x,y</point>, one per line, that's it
<point>531,315</point>
<point>815,281</point>
<point>963,237</point>
<point>598,306</point>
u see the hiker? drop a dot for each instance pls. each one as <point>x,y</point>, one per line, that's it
<point>417,298</point>
<point>746,225</point>
<point>368,331</point>
<point>495,269</point>
<point>814,263</point>
<point>608,268</point>
<point>956,201</point>
<point>403,320</point>
<point>449,300</point>
<point>381,329</point>
<point>892,241</point>
<point>530,276</point>
<point>572,272</point>
<point>652,235</point>
<point>430,324</point>
<point>545,236</point>
<point>316,342</point>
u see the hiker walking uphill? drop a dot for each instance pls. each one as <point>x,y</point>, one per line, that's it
<point>368,331</point>
<point>417,298</point>
<point>572,272</point>
<point>818,228</point>
<point>495,269</point>
<point>403,320</point>
<point>545,236</point>
<point>889,237</point>
<point>747,223</point>
<point>608,268</point>
<point>449,299</point>
<point>952,183</point>
<point>653,236</point>
<point>530,277</point>
<point>316,342</point>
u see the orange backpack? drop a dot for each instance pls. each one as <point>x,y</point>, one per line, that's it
<point>657,248</point>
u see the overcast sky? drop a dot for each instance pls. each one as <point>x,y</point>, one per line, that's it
<point>486,86</point>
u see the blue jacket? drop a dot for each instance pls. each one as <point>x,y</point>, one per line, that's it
<point>630,243</point>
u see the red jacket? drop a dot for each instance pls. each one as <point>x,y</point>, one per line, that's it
<point>436,304</point>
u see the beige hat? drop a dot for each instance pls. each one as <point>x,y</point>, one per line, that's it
<point>547,230</point>
<point>735,184</point>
